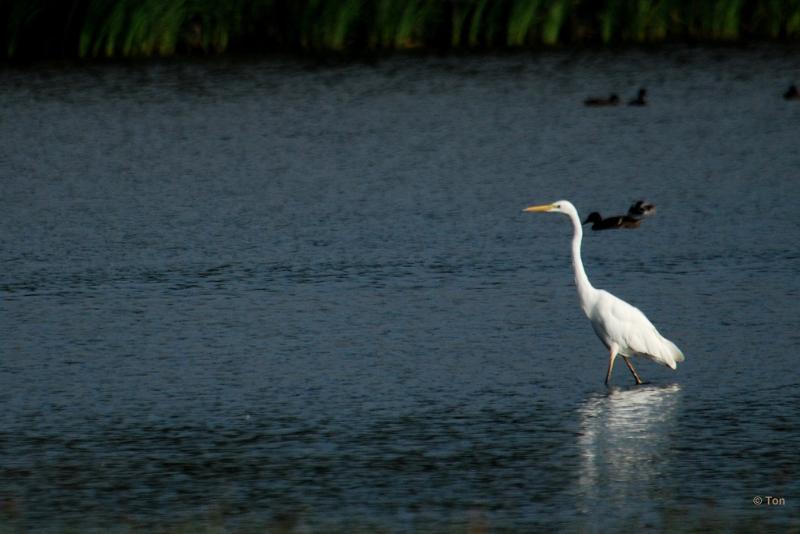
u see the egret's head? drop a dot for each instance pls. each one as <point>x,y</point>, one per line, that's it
<point>560,206</point>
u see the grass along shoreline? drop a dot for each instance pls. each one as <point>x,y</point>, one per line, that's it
<point>162,28</point>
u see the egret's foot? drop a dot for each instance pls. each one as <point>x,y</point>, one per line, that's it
<point>633,371</point>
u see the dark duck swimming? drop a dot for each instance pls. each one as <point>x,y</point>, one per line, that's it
<point>639,100</point>
<point>611,223</point>
<point>641,208</point>
<point>612,100</point>
<point>633,219</point>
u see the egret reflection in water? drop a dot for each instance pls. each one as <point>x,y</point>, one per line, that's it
<point>624,443</point>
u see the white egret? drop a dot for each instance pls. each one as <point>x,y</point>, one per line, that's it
<point>623,329</point>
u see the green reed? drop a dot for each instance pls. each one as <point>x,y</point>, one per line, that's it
<point>129,28</point>
<point>146,28</point>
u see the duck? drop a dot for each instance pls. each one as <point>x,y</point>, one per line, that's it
<point>612,100</point>
<point>639,100</point>
<point>792,93</point>
<point>611,223</point>
<point>641,208</point>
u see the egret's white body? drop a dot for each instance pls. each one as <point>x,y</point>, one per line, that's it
<point>623,329</point>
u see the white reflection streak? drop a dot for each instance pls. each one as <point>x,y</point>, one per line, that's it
<point>622,441</point>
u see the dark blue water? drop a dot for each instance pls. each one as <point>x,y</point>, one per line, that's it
<point>288,297</point>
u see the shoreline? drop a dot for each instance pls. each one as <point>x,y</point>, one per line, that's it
<point>130,29</point>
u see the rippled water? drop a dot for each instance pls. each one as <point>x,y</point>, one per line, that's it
<point>297,297</point>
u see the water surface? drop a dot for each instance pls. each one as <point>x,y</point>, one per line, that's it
<point>285,296</point>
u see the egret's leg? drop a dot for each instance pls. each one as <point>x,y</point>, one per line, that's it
<point>612,355</point>
<point>630,366</point>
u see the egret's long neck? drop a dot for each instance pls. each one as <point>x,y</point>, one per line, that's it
<point>581,280</point>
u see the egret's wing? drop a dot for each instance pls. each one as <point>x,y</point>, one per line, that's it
<point>634,332</point>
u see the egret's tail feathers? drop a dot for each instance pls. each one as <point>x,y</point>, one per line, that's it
<point>662,350</point>
<point>672,354</point>
<point>679,357</point>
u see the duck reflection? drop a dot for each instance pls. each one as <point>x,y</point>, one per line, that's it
<point>625,444</point>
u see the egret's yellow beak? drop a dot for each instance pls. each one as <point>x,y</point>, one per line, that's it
<point>543,207</point>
